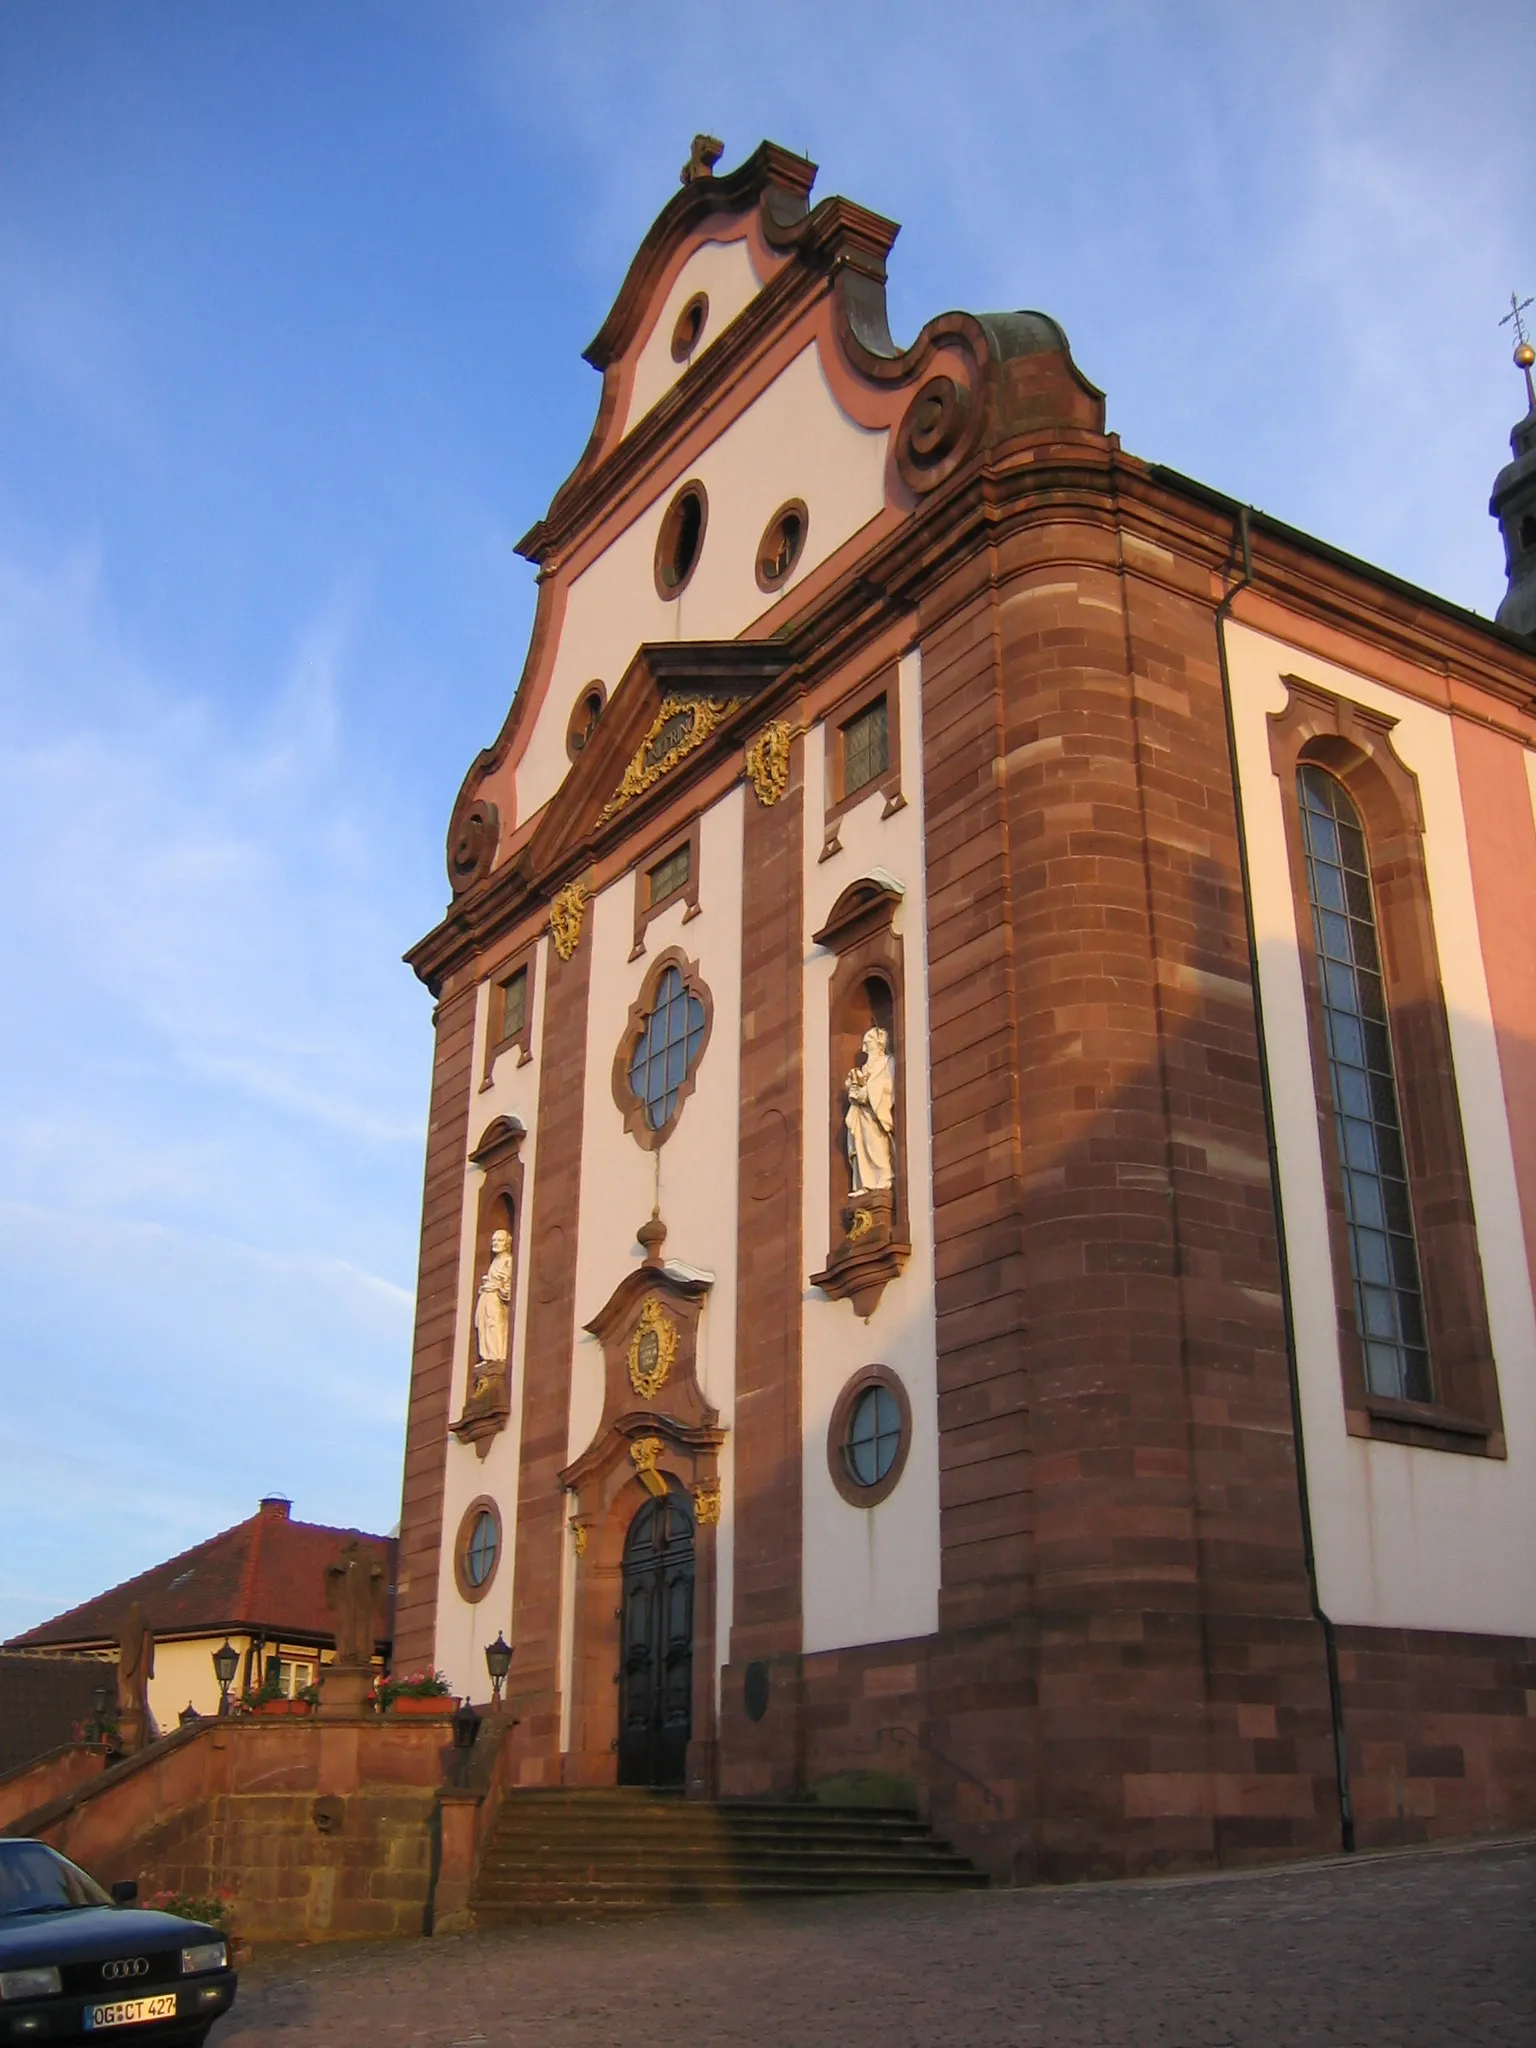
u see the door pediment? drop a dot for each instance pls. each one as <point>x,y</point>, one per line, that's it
<point>648,1328</point>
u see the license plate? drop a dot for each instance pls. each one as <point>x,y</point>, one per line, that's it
<point>131,2012</point>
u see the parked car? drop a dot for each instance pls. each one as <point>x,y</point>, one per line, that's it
<point>77,1962</point>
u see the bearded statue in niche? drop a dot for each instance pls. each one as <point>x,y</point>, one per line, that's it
<point>493,1316</point>
<point>871,1118</point>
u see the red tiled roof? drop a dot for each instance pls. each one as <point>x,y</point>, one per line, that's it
<point>265,1575</point>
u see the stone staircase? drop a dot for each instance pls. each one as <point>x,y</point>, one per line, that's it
<point>590,1852</point>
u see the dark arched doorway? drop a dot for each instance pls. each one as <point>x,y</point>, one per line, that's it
<point>656,1675</point>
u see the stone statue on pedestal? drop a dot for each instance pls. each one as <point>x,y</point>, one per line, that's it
<point>135,1668</point>
<point>493,1316</point>
<point>871,1118</point>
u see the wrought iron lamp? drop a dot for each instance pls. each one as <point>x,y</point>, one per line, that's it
<point>498,1662</point>
<point>226,1662</point>
<point>101,1697</point>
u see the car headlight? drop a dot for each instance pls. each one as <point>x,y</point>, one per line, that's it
<point>208,1955</point>
<point>30,1983</point>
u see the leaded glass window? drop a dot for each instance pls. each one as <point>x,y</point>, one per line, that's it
<point>866,751</point>
<point>671,874</point>
<point>668,1047</point>
<point>514,1004</point>
<point>1384,1261</point>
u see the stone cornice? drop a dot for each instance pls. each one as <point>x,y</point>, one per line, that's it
<point>1077,480</point>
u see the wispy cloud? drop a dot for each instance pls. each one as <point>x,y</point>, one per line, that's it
<point>210,1095</point>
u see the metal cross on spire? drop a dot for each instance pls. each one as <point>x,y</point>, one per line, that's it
<point>1525,355</point>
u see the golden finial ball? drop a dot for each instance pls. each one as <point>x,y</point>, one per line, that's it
<point>1525,355</point>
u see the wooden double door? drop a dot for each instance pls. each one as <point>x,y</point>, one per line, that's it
<point>656,1672</point>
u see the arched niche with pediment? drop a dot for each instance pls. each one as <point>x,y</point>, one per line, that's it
<point>499,1206</point>
<point>657,1434</point>
<point>871,1235</point>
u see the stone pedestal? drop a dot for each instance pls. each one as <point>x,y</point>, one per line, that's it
<point>344,1689</point>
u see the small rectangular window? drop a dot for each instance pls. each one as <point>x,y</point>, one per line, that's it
<point>671,874</point>
<point>514,1004</point>
<point>292,1676</point>
<point>866,751</point>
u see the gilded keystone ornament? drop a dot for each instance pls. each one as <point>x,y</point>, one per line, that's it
<point>565,914</point>
<point>652,1350</point>
<point>645,1450</point>
<point>768,762</point>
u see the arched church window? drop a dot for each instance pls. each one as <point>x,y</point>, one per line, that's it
<point>663,1043</point>
<point>1384,1259</point>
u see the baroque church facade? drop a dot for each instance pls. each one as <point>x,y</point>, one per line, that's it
<point>981,1187</point>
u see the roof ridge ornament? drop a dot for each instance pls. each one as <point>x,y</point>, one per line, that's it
<point>706,153</point>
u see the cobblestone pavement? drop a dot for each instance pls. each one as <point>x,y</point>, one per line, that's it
<point>1418,1950</point>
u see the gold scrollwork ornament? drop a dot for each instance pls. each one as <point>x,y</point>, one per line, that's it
<point>652,1350</point>
<point>861,1225</point>
<point>565,914</point>
<point>768,761</point>
<point>697,716</point>
<point>579,1535</point>
<point>706,1503</point>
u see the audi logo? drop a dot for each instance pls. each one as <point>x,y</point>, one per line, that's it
<point>129,1966</point>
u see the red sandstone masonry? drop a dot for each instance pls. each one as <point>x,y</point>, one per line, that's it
<point>765,1613</point>
<point>426,1436</point>
<point>539,1556</point>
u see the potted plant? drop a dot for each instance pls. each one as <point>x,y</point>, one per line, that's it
<point>422,1694</point>
<point>270,1699</point>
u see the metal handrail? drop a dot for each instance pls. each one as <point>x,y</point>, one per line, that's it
<point>948,1761</point>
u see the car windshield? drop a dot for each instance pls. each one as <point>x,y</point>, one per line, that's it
<point>36,1879</point>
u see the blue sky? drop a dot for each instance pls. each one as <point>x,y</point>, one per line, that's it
<point>292,300</point>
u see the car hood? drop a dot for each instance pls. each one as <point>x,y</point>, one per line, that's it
<point>89,1934</point>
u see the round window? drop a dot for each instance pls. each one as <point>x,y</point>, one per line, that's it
<point>478,1550</point>
<point>870,1436</point>
<point>680,540</point>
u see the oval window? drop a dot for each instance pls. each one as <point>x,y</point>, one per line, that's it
<point>689,330</point>
<point>782,544</point>
<point>869,1437</point>
<point>874,1436</point>
<point>589,709</point>
<point>681,539</point>
<point>478,1550</point>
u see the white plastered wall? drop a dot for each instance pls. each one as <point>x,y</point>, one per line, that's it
<point>721,270</point>
<point>465,1627</point>
<point>691,1178</point>
<point>794,441</point>
<point>1405,1538</point>
<point>871,1574</point>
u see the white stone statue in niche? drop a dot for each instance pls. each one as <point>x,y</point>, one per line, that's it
<point>871,1119</point>
<point>493,1314</point>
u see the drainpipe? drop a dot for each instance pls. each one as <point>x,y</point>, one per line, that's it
<point>1330,1639</point>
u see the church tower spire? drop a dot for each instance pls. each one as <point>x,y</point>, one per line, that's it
<point>1513,502</point>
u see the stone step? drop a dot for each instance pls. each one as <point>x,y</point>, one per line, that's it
<point>615,1898</point>
<point>501,1872</point>
<point>635,1850</point>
